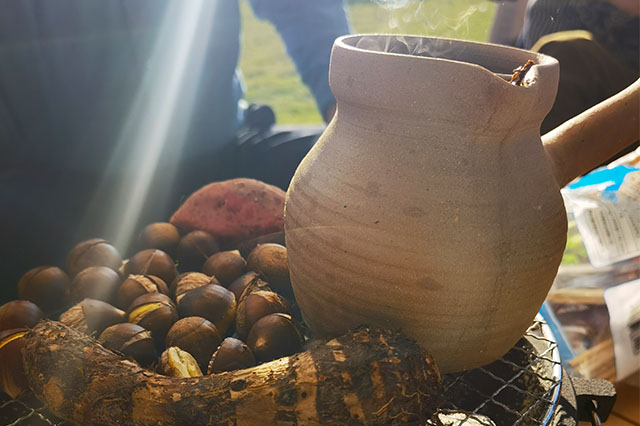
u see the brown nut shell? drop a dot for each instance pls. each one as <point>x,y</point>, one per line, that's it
<point>156,312</point>
<point>132,341</point>
<point>256,305</point>
<point>152,262</point>
<point>176,362</point>
<point>197,336</point>
<point>270,261</point>
<point>46,286</point>
<point>93,252</point>
<point>92,316</point>
<point>238,286</point>
<point>160,235</point>
<point>233,354</point>
<point>137,285</point>
<point>12,377</point>
<point>226,266</point>
<point>189,281</point>
<point>213,302</point>
<point>274,336</point>
<point>95,282</point>
<point>194,249</point>
<point>19,314</point>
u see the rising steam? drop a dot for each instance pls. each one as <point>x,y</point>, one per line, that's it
<point>460,19</point>
<point>393,4</point>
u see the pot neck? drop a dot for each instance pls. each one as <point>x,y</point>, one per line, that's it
<point>465,85</point>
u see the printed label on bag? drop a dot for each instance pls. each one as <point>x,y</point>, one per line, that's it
<point>608,221</point>
<point>609,233</point>
<point>623,303</point>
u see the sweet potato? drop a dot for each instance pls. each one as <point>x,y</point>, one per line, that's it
<point>368,377</point>
<point>233,210</point>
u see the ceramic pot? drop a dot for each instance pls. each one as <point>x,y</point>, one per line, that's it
<point>429,203</point>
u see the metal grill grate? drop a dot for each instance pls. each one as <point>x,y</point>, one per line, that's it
<point>521,388</point>
<point>26,411</point>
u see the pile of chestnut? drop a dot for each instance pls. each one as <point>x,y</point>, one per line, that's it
<point>180,306</point>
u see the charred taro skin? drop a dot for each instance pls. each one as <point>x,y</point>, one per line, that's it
<point>392,377</point>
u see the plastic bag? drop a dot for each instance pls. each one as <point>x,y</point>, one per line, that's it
<point>591,305</point>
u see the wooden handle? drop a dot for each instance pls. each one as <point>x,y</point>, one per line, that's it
<point>588,139</point>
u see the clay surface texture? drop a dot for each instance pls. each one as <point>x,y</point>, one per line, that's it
<point>428,205</point>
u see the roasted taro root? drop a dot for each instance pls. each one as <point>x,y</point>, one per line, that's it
<point>367,377</point>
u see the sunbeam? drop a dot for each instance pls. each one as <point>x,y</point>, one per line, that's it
<point>158,119</point>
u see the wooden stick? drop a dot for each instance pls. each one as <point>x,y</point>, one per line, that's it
<point>595,135</point>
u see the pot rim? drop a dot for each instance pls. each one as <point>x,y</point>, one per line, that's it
<point>488,50</point>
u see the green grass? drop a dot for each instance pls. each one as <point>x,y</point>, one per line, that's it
<point>271,77</point>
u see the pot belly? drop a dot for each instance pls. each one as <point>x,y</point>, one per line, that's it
<point>462,267</point>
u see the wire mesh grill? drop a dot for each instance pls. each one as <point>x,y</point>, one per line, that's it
<point>26,411</point>
<point>521,388</point>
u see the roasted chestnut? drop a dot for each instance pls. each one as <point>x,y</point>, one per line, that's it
<point>226,266</point>
<point>12,377</point>
<point>213,302</point>
<point>152,262</point>
<point>233,354</point>
<point>273,337</point>
<point>93,252</point>
<point>238,286</point>
<point>270,261</point>
<point>137,285</point>
<point>46,286</point>
<point>19,314</point>
<point>256,305</point>
<point>92,316</point>
<point>95,282</point>
<point>197,336</point>
<point>194,249</point>
<point>155,312</point>
<point>132,341</point>
<point>160,235</point>
<point>191,280</point>
<point>176,362</point>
